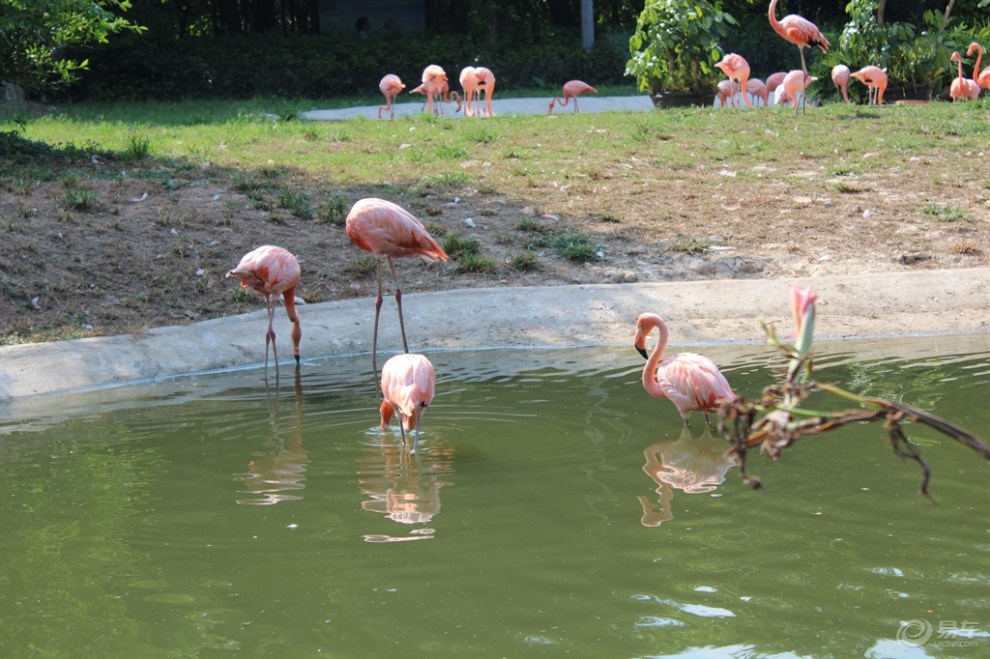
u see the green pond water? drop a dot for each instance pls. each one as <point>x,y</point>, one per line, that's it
<point>554,510</point>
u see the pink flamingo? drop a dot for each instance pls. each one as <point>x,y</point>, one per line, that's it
<point>469,84</point>
<point>774,80</point>
<point>840,76</point>
<point>982,78</point>
<point>434,78</point>
<point>486,84</point>
<point>387,229</point>
<point>572,89</point>
<point>799,31</point>
<point>962,88</point>
<point>735,67</point>
<point>724,92</point>
<point>408,384</point>
<point>758,89</point>
<point>689,381</point>
<point>795,87</point>
<point>273,271</point>
<point>875,80</point>
<point>390,85</point>
<point>780,98</point>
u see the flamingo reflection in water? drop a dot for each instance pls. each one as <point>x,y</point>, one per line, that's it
<point>277,473</point>
<point>692,465</point>
<point>404,487</point>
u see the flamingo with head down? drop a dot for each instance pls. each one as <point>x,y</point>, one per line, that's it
<point>875,80</point>
<point>735,67</point>
<point>840,76</point>
<point>408,385</point>
<point>572,89</point>
<point>390,85</point>
<point>273,271</point>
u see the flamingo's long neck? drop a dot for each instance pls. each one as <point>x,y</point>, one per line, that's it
<point>959,66</point>
<point>650,382</point>
<point>772,15</point>
<point>979,60</point>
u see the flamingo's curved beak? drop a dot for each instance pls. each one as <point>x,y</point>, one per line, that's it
<point>643,352</point>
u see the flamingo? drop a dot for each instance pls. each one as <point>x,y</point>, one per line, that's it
<point>724,92</point>
<point>840,76</point>
<point>774,80</point>
<point>982,78</point>
<point>572,89</point>
<point>799,31</point>
<point>408,384</point>
<point>758,89</point>
<point>689,381</point>
<point>793,89</point>
<point>962,88</point>
<point>390,85</point>
<point>273,271</point>
<point>434,78</point>
<point>875,80</point>
<point>469,84</point>
<point>486,84</point>
<point>387,229</point>
<point>780,97</point>
<point>735,67</point>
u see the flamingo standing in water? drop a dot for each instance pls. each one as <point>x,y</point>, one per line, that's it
<point>273,271</point>
<point>691,382</point>
<point>962,88</point>
<point>982,78</point>
<point>799,31</point>
<point>735,67</point>
<point>408,384</point>
<point>387,229</point>
<point>840,76</point>
<point>875,80</point>
<point>572,89</point>
<point>390,85</point>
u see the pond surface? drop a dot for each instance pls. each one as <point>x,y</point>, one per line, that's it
<point>554,509</point>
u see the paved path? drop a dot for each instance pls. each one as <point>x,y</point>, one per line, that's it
<point>723,311</point>
<point>503,106</point>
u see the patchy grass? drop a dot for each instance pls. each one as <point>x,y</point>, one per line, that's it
<point>193,185</point>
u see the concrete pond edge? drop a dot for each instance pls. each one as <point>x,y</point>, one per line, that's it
<point>698,312</point>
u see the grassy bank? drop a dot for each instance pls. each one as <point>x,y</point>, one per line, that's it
<point>169,195</point>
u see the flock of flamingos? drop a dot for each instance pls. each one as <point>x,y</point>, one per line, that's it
<point>408,380</point>
<point>787,87</point>
<point>691,382</point>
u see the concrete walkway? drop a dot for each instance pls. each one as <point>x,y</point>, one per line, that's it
<point>500,106</point>
<point>723,311</point>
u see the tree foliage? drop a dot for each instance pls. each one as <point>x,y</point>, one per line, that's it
<point>34,33</point>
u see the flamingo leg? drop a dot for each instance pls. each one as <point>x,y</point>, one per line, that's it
<point>270,337</point>
<point>398,303</point>
<point>575,105</point>
<point>378,309</point>
<point>804,89</point>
